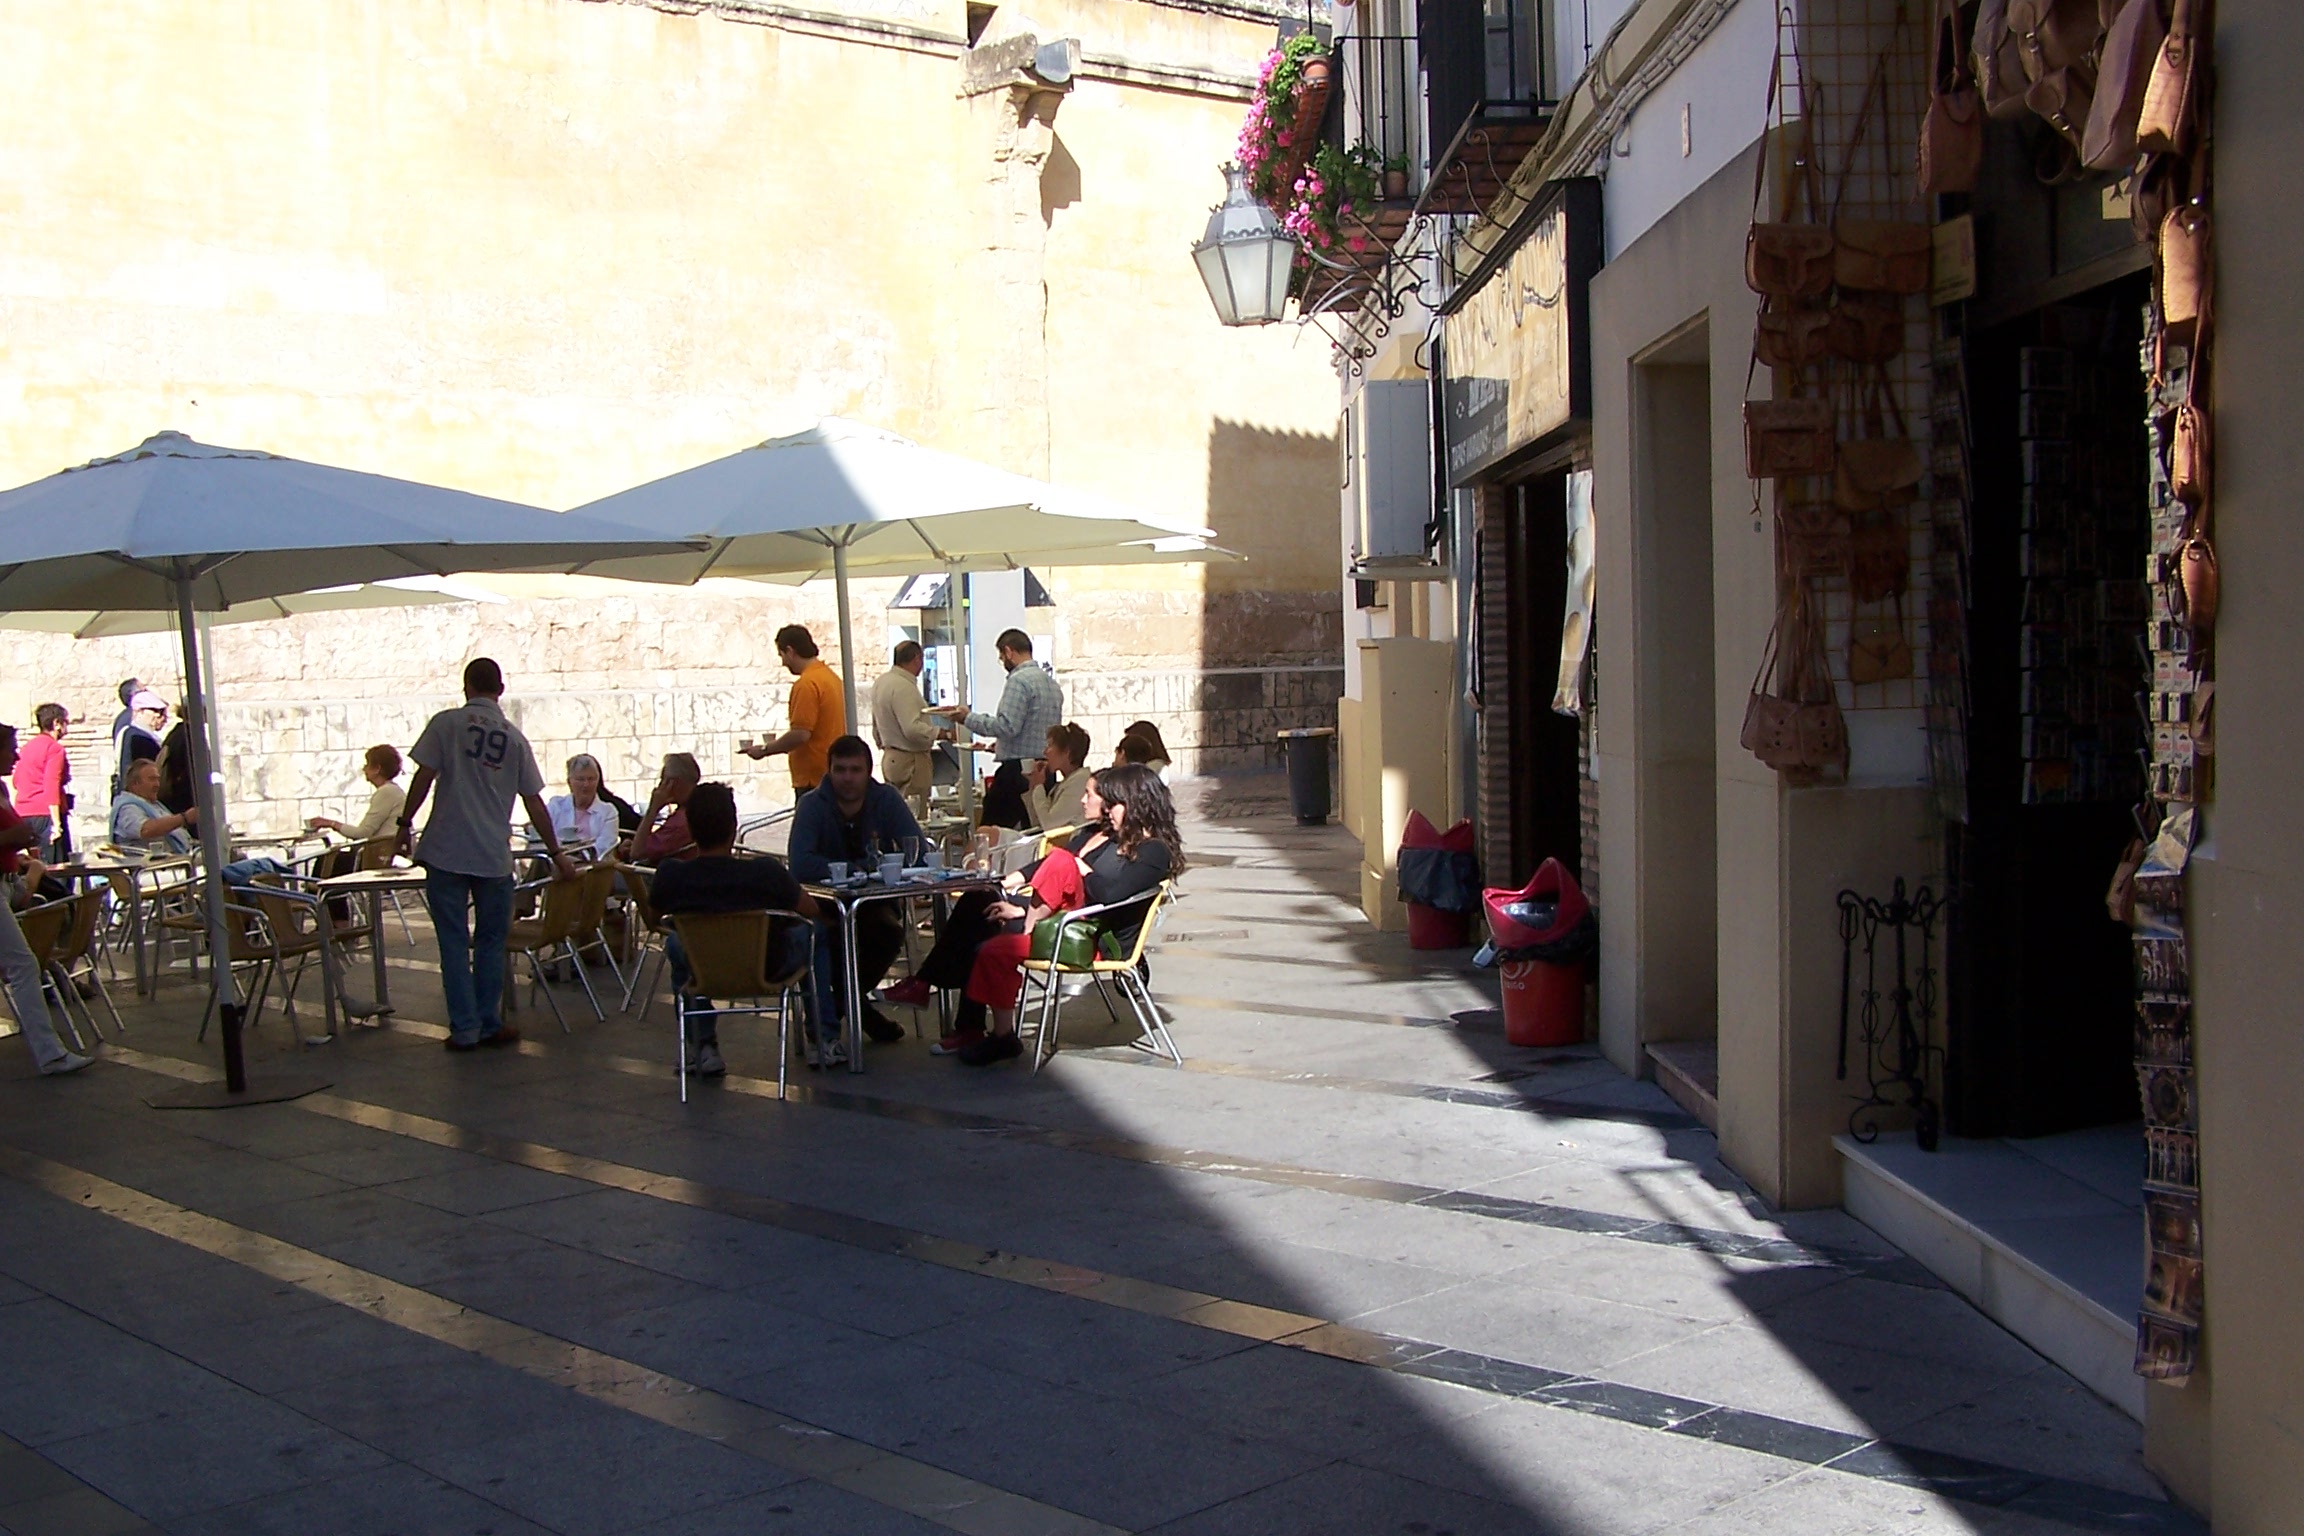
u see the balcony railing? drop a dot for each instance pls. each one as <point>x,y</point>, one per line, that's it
<point>1381,104</point>
<point>1485,67</point>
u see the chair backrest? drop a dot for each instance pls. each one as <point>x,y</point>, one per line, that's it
<point>563,909</point>
<point>727,952</point>
<point>87,912</point>
<point>1053,838</point>
<point>295,925</point>
<point>1160,896</point>
<point>637,883</point>
<point>599,883</point>
<point>43,926</point>
<point>376,853</point>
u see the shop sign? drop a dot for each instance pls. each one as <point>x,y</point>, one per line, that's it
<point>1517,344</point>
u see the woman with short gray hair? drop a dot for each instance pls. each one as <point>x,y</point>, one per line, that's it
<point>581,816</point>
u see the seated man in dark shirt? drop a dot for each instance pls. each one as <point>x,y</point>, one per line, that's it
<point>715,880</point>
<point>852,818</point>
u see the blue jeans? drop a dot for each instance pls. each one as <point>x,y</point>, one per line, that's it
<point>471,914</point>
<point>243,872</point>
<point>786,953</point>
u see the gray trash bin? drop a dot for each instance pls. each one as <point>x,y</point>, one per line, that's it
<point>1308,773</point>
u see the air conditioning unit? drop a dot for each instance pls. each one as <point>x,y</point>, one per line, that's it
<point>1388,480</point>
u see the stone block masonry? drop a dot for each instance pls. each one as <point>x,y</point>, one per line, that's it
<point>631,676</point>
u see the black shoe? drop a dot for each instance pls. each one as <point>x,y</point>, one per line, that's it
<point>880,1028</point>
<point>455,1044</point>
<point>503,1038</point>
<point>990,1049</point>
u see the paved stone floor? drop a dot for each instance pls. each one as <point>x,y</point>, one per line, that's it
<point>1361,1267</point>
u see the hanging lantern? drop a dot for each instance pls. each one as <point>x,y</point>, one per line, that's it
<point>1246,257</point>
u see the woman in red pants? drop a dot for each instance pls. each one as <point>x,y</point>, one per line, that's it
<point>1127,846</point>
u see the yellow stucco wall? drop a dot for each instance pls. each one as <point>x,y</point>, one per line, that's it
<point>546,249</point>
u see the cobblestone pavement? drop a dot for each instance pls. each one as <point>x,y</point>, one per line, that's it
<point>1360,1267</point>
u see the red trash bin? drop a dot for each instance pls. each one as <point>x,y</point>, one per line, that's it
<point>1543,998</point>
<point>1431,927</point>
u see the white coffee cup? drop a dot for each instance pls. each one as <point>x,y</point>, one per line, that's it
<point>891,868</point>
<point>932,858</point>
<point>836,871</point>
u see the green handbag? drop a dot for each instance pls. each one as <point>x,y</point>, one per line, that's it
<point>1085,941</point>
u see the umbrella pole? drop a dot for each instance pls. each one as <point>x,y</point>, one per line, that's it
<point>213,844</point>
<point>847,634</point>
<point>957,612</point>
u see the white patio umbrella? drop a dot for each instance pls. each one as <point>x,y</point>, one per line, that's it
<point>111,623</point>
<point>861,501</point>
<point>176,526</point>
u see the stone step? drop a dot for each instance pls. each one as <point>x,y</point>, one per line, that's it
<point>1689,1070</point>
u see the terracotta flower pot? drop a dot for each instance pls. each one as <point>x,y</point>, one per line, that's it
<point>1395,186</point>
<point>1316,72</point>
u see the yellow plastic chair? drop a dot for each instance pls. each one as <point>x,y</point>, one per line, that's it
<point>44,926</point>
<point>728,959</point>
<point>1121,973</point>
<point>75,960</point>
<point>554,927</point>
<point>648,928</point>
<point>591,935</point>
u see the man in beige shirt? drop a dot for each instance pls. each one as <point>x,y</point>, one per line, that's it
<point>903,729</point>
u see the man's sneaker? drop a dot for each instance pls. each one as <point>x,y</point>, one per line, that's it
<point>70,1061</point>
<point>909,993</point>
<point>880,1028</point>
<point>954,1044</point>
<point>454,1044</point>
<point>501,1040</point>
<point>990,1049</point>
<point>809,1053</point>
<point>834,1054</point>
<point>708,1062</point>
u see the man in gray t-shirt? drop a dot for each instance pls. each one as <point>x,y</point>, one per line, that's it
<point>479,763</point>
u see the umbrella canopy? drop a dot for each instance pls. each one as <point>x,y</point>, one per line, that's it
<point>119,533</point>
<point>182,527</point>
<point>860,501</point>
<point>408,592</point>
<point>841,491</point>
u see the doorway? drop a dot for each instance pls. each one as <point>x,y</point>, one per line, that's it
<point>1676,729</point>
<point>2040,1029</point>
<point>1546,778</point>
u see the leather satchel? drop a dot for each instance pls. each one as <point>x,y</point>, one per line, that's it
<point>1785,439</point>
<point>1881,255</point>
<point>1997,60</point>
<point>1792,719</point>
<point>1878,649</point>
<point>2055,34</point>
<point>2188,456</point>
<point>1789,261</point>
<point>1866,327</point>
<point>2165,124</point>
<point>2063,98</point>
<point>1952,130</point>
<point>1790,338</point>
<point>1869,473</point>
<point>2184,259</point>
<point>2123,75</point>
<point>1879,558</point>
<point>1812,539</point>
<point>2197,581</point>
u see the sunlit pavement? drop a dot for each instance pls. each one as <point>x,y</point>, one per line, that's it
<point>1360,1267</point>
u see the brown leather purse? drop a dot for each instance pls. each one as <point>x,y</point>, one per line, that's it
<point>1866,327</point>
<point>1785,439</point>
<point>2123,74</point>
<point>1790,338</point>
<point>1812,539</point>
<point>1952,131</point>
<point>1882,255</point>
<point>2188,456</point>
<point>1879,651</point>
<point>2050,35</point>
<point>1997,60</point>
<point>1792,719</point>
<point>2198,582</point>
<point>1879,557</point>
<point>1789,261</point>
<point>2183,268</point>
<point>2165,124</point>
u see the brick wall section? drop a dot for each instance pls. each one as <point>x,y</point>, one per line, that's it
<point>1495,811</point>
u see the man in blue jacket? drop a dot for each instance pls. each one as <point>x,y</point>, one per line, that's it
<point>853,818</point>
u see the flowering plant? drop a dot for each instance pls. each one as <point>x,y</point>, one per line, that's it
<point>1267,134</point>
<point>1331,202</point>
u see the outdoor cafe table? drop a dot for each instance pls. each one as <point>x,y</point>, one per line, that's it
<point>863,890</point>
<point>373,884</point>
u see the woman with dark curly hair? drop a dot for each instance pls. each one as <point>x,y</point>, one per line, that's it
<point>1128,845</point>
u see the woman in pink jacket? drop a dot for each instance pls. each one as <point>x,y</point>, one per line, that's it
<point>42,771</point>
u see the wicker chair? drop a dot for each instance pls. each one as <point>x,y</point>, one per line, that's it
<point>728,958</point>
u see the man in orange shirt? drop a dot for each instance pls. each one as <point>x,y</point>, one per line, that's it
<point>819,710</point>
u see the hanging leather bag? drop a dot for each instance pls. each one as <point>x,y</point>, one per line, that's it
<point>1879,651</point>
<point>1879,557</point>
<point>2183,268</point>
<point>1952,130</point>
<point>1812,539</point>
<point>2198,583</point>
<point>1790,338</point>
<point>1789,262</point>
<point>1785,439</point>
<point>2050,35</point>
<point>2131,53</point>
<point>1881,255</point>
<point>2165,124</point>
<point>1866,327</point>
<point>1880,469</point>
<point>2188,456</point>
<point>1997,60</point>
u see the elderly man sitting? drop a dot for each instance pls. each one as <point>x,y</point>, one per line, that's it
<point>668,838</point>
<point>141,824</point>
